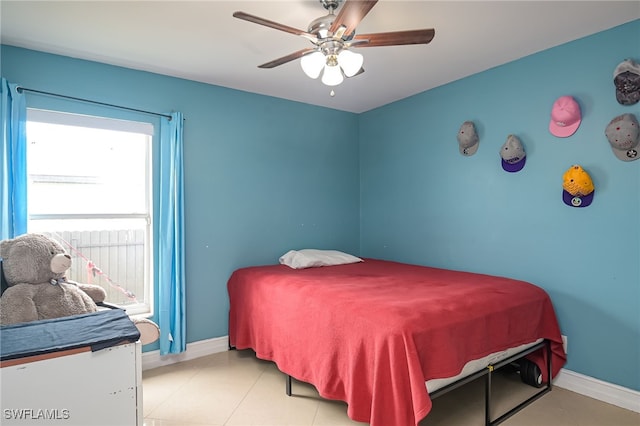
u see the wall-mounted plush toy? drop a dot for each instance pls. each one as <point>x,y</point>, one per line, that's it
<point>577,187</point>
<point>34,267</point>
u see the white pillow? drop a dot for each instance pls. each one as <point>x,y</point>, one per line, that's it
<point>311,258</point>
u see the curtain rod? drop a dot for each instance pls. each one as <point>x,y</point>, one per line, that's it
<point>24,89</point>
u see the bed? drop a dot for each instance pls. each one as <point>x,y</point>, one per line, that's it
<point>373,333</point>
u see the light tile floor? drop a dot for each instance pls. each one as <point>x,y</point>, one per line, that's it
<point>235,388</point>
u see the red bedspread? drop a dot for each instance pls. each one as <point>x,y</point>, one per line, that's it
<point>372,333</point>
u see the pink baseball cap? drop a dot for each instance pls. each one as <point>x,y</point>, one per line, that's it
<point>565,117</point>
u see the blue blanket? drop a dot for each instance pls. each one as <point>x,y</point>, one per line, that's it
<point>98,330</point>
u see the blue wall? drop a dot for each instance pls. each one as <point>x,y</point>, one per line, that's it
<point>390,183</point>
<point>423,202</point>
<point>261,177</point>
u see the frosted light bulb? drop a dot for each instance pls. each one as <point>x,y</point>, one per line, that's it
<point>312,64</point>
<point>350,62</point>
<point>332,75</point>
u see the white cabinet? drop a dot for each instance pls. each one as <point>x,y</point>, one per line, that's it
<point>74,387</point>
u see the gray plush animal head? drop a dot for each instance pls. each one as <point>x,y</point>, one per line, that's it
<point>33,259</point>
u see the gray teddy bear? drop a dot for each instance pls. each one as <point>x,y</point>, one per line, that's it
<point>34,268</point>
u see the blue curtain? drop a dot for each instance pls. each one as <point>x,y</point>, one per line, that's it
<point>13,162</point>
<point>171,281</point>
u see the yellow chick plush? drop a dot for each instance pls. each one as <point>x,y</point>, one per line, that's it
<point>577,182</point>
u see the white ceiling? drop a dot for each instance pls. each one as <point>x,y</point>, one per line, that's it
<point>201,40</point>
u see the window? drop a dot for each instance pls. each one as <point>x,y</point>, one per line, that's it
<point>90,188</point>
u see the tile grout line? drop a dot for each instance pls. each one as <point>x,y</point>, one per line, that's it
<point>315,415</point>
<point>171,394</point>
<point>255,382</point>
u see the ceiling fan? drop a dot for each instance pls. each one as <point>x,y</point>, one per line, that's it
<point>333,37</point>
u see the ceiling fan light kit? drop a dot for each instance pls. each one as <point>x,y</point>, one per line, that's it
<point>334,66</point>
<point>333,38</point>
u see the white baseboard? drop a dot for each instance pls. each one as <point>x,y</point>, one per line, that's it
<point>566,379</point>
<point>597,389</point>
<point>153,359</point>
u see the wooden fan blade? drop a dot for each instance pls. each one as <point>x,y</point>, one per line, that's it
<point>350,15</point>
<point>288,58</point>
<point>395,38</point>
<point>275,25</point>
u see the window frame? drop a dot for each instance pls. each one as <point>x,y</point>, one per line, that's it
<point>128,124</point>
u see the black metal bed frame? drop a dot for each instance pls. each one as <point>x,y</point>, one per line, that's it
<point>487,373</point>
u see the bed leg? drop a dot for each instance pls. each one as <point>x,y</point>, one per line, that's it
<point>549,369</point>
<point>526,402</point>
<point>487,397</point>
<point>288,385</point>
